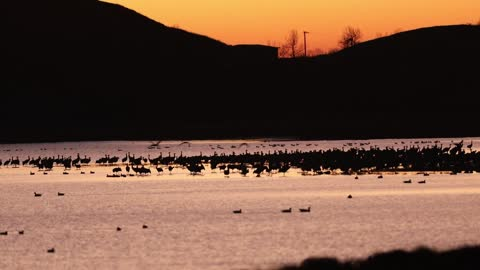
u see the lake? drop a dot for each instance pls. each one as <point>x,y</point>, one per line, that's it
<point>189,219</point>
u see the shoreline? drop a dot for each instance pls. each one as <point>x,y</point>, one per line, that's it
<point>421,258</point>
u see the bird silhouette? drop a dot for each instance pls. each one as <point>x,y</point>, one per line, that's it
<point>303,210</point>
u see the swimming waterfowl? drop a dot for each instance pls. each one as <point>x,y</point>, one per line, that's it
<point>304,209</point>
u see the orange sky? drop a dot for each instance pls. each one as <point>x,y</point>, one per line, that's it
<point>264,21</point>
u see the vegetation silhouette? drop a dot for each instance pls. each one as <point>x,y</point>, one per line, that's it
<point>90,70</point>
<point>464,258</point>
<point>351,36</point>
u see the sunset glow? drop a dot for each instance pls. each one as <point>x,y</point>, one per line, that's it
<point>268,21</point>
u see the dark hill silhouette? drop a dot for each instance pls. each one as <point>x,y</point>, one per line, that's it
<point>432,65</point>
<point>93,70</point>
<point>429,43</point>
<point>89,70</point>
<point>415,83</point>
<point>423,61</point>
<point>464,258</point>
<point>97,27</point>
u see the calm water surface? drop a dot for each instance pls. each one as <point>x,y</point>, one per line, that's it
<point>190,220</point>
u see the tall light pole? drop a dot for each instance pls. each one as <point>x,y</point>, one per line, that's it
<point>305,41</point>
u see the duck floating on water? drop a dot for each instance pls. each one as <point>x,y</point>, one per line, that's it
<point>303,210</point>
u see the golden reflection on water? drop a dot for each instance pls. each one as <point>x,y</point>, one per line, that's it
<point>190,220</point>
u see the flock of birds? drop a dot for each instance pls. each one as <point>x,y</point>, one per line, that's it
<point>145,226</point>
<point>36,194</point>
<point>348,160</point>
<point>352,158</point>
<point>288,210</point>
<point>52,249</point>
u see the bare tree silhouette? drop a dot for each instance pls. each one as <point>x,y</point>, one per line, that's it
<point>351,36</point>
<point>292,46</point>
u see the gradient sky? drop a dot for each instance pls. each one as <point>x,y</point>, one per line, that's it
<point>266,21</point>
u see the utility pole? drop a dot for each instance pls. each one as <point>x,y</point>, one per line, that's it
<point>305,41</point>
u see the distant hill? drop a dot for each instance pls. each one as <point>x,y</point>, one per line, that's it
<point>92,45</point>
<point>429,61</point>
<point>97,27</point>
<point>415,83</point>
<point>89,70</point>
<point>432,64</point>
<point>85,63</point>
